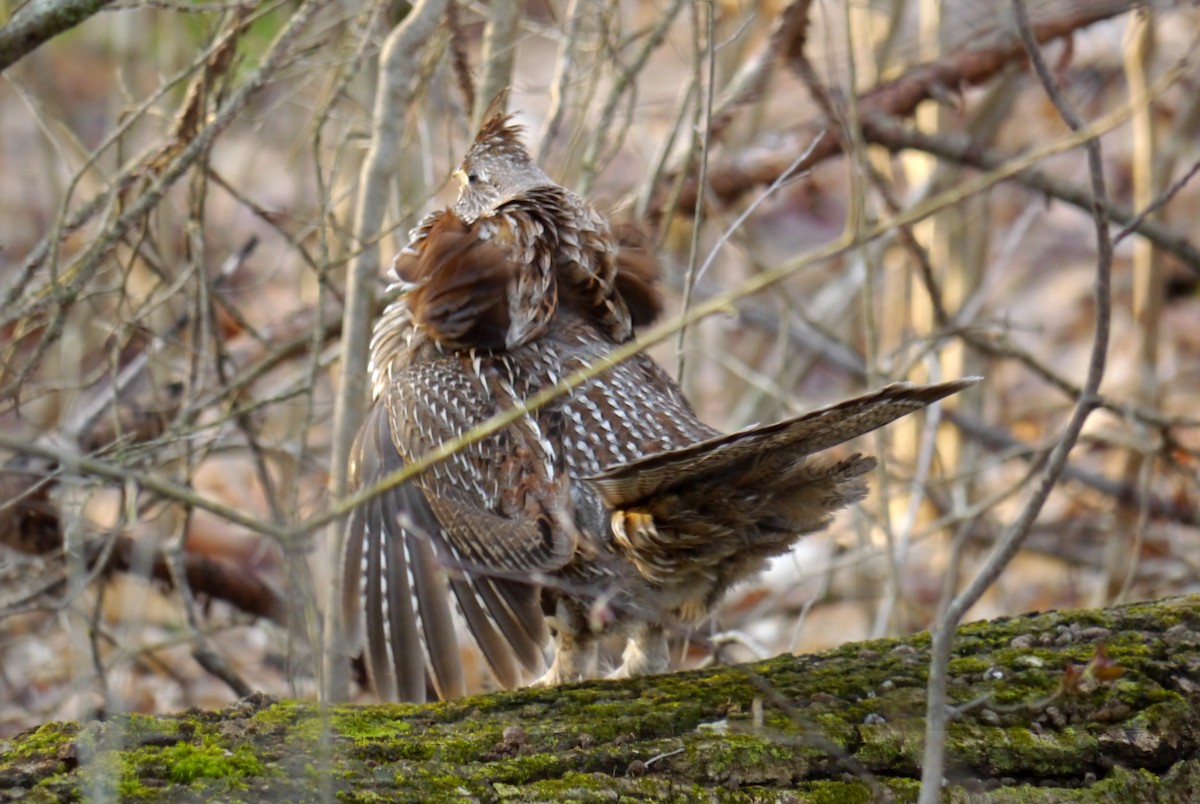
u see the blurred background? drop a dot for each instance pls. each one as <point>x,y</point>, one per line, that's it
<point>184,187</point>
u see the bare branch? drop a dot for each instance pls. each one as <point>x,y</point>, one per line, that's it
<point>982,58</point>
<point>39,21</point>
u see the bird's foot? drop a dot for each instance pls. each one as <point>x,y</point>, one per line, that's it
<point>645,653</point>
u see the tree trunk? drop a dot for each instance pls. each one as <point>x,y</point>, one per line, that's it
<point>1085,705</point>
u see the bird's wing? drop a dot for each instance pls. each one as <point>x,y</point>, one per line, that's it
<point>475,285</point>
<point>487,523</point>
<point>406,619</point>
<point>626,485</point>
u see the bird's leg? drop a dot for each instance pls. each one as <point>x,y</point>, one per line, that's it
<point>574,646</point>
<point>645,653</point>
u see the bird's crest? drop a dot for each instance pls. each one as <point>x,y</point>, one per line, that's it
<point>498,135</point>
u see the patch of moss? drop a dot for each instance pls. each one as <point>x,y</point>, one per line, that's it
<point>1033,676</point>
<point>831,725</point>
<point>838,792</point>
<point>46,740</point>
<point>1018,752</point>
<point>281,713</point>
<point>743,759</point>
<point>571,786</point>
<point>137,730</point>
<point>1120,785</point>
<point>435,784</point>
<point>372,723</point>
<point>969,666</point>
<point>130,786</point>
<point>188,762</point>
<point>526,769</point>
<point>895,747</point>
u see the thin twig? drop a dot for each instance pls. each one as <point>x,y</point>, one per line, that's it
<point>622,83</point>
<point>499,53</point>
<point>705,62</point>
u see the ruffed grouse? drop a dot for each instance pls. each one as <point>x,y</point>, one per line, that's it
<point>611,509</point>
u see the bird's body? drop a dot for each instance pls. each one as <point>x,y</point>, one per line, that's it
<point>612,507</point>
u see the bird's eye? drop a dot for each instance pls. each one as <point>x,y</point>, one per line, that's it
<point>472,177</point>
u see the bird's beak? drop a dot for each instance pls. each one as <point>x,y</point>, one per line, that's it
<point>460,177</point>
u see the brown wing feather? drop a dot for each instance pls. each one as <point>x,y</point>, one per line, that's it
<point>399,564</point>
<point>402,624</point>
<point>429,580</point>
<point>461,284</point>
<point>447,530</point>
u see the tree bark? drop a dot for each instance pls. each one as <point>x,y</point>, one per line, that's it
<point>1081,705</point>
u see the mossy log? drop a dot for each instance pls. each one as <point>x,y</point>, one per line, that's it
<point>1066,706</point>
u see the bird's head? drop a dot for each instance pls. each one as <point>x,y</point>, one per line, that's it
<point>496,169</point>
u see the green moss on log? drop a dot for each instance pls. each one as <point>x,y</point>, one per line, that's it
<point>843,726</point>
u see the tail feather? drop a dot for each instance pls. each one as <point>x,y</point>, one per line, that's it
<point>784,442</point>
